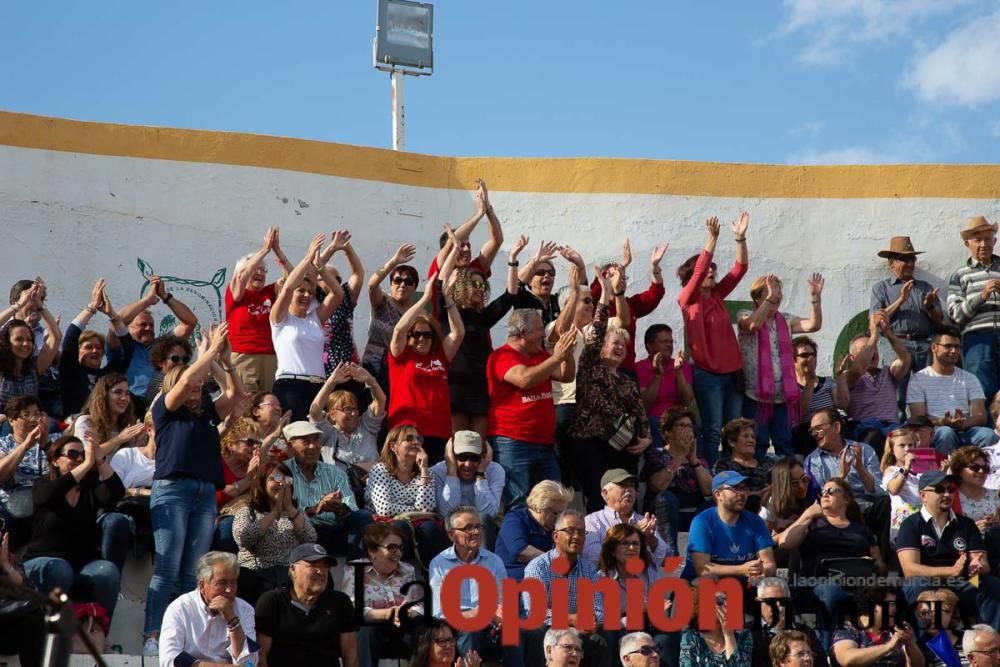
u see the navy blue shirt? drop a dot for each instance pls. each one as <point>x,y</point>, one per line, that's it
<point>187,444</point>
<point>960,534</point>
<point>519,530</point>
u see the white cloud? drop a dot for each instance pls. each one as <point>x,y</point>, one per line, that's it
<point>996,130</point>
<point>849,155</point>
<point>921,138</point>
<point>809,129</point>
<point>964,69</point>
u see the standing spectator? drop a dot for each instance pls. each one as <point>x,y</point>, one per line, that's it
<point>664,380</point>
<point>461,244</point>
<point>708,329</point>
<point>836,456</point>
<point>249,298</point>
<point>307,622</point>
<point>166,352</point>
<point>297,325</point>
<point>970,466</point>
<point>339,346</point>
<point>349,438</point>
<point>22,361</point>
<point>773,398</point>
<point>953,398</point>
<point>526,532</point>
<point>899,480</point>
<point>469,476</point>
<point>607,396</point>
<point>22,464</point>
<point>973,301</point>
<point>816,392</point>
<point>386,309</point>
<point>522,417</point>
<point>618,489</point>
<point>739,439</point>
<point>539,276</point>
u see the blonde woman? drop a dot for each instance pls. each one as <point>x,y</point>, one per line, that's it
<point>898,480</point>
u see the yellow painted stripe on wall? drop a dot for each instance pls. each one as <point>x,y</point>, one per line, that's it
<point>572,175</point>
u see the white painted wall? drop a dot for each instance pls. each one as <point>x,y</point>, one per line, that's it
<point>74,217</point>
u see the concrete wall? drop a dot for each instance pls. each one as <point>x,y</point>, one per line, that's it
<point>83,200</point>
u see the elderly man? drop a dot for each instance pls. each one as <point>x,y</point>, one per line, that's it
<point>953,398</point>
<point>469,476</point>
<point>981,645</point>
<point>619,488</point>
<point>974,303</point>
<point>563,648</point>
<point>324,493</point>
<point>568,536</point>
<point>522,417</point>
<point>210,626</point>
<point>465,530</point>
<point>637,648</point>
<point>937,548</point>
<point>307,623</point>
<point>727,541</point>
<point>776,617</point>
<point>837,456</point>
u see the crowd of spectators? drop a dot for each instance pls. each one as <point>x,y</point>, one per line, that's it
<point>247,456</point>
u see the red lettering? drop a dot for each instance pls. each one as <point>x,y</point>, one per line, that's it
<point>586,603</point>
<point>707,590</point>
<point>451,597</point>
<point>682,605</point>
<point>512,623</point>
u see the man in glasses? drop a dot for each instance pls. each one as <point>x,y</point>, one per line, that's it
<point>619,488</point>
<point>465,530</point>
<point>937,548</point>
<point>469,476</point>
<point>953,398</point>
<point>981,645</point>
<point>836,456</point>
<point>637,649</point>
<point>776,618</point>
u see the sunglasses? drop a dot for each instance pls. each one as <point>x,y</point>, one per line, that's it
<point>646,651</point>
<point>806,355</point>
<point>979,467</point>
<point>414,439</point>
<point>399,280</point>
<point>393,548</point>
<point>477,284</point>
<point>939,489</point>
<point>279,478</point>
<point>476,458</point>
<point>420,335</point>
<point>831,491</point>
<point>250,441</point>
<point>73,454</point>
<point>546,272</point>
<point>178,359</point>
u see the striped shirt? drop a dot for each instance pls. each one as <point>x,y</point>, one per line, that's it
<point>874,397</point>
<point>944,393</point>
<point>327,478</point>
<point>540,568</point>
<point>966,306</point>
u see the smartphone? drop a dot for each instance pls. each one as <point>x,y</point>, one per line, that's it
<point>720,599</point>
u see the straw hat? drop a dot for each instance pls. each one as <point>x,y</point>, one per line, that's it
<point>977,224</point>
<point>899,245</point>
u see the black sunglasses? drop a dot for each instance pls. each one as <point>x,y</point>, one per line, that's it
<point>646,651</point>
<point>400,280</point>
<point>979,467</point>
<point>469,457</point>
<point>420,335</point>
<point>178,359</point>
<point>940,489</point>
<point>73,454</point>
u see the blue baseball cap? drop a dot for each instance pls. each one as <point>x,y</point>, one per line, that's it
<point>727,478</point>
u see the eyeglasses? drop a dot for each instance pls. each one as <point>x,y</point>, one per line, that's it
<point>646,651</point>
<point>573,531</point>
<point>347,410</point>
<point>477,284</point>
<point>473,528</point>
<point>631,544</point>
<point>269,404</point>
<point>279,478</point>
<point>400,280</point>
<point>420,335</point>
<point>806,355</point>
<point>445,641</point>
<point>178,359</point>
<point>475,458</point>
<point>414,439</point>
<point>939,489</point>
<point>587,300</point>
<point>818,428</point>
<point>979,467</point>
<point>992,652</point>
<point>32,416</point>
<point>832,491</point>
<point>571,648</point>
<point>249,441</point>
<point>736,489</point>
<point>393,548</point>
<point>802,655</point>
<point>73,454</point>
<point>546,272</point>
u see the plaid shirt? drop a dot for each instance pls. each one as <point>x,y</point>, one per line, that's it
<point>541,568</point>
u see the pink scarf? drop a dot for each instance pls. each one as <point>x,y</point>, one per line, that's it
<point>766,392</point>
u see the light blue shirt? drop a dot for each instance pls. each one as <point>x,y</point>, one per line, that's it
<point>821,465</point>
<point>140,370</point>
<point>446,561</point>
<point>327,478</point>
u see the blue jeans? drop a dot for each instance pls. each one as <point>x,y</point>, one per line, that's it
<point>775,431</point>
<point>946,439</point>
<point>343,536</point>
<point>98,581</point>
<point>222,536</point>
<point>720,400</point>
<point>982,359</point>
<point>526,464</point>
<point>183,514</point>
<point>116,533</point>
<point>829,596</point>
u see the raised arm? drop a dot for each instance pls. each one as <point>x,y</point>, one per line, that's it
<point>752,322</point>
<point>464,231</point>
<point>493,244</point>
<point>378,404</point>
<point>863,359</point>
<point>690,291</point>
<point>546,253</point>
<point>232,388</point>
<point>53,337</point>
<point>740,236</point>
<point>357,278</point>
<point>900,366</point>
<point>334,292</point>
<point>281,302</point>
<point>147,301</point>
<point>208,350</point>
<point>240,280</point>
<point>619,283</point>
<point>456,326</point>
<point>188,321</point>
<point>815,321</point>
<point>567,315</point>
<point>403,255</point>
<point>398,341</point>
<point>317,409</point>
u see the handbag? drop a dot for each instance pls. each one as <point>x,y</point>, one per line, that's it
<point>357,476</point>
<point>849,567</point>
<point>622,433</point>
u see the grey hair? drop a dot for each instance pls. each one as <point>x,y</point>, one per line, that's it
<point>969,638</point>
<point>772,582</point>
<point>566,291</point>
<point>561,519</point>
<point>521,320</point>
<point>207,563</point>
<point>631,641</point>
<point>552,637</point>
<point>243,261</point>
<point>461,509</point>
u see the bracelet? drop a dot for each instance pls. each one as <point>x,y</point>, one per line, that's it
<point>619,293</point>
<point>449,305</point>
<point>740,239</point>
<point>293,518</point>
<point>168,298</point>
<point>90,309</point>
<point>233,624</point>
<point>815,301</point>
<point>513,263</point>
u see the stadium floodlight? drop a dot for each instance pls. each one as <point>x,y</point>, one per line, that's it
<point>404,44</point>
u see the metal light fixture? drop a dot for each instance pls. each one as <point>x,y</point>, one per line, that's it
<point>404,44</point>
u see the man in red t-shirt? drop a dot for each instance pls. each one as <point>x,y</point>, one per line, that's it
<point>522,418</point>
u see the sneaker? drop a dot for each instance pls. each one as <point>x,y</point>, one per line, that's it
<point>151,646</point>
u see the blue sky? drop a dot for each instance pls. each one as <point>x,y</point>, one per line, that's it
<point>798,81</point>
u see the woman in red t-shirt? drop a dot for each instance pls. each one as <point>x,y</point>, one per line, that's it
<point>418,367</point>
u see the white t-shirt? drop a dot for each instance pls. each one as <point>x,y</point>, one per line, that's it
<point>564,393</point>
<point>944,393</point>
<point>298,344</point>
<point>132,466</point>
<point>904,503</point>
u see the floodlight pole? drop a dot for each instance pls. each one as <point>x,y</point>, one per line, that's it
<point>398,112</point>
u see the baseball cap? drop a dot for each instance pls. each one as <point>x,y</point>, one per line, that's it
<point>467,442</point>
<point>727,478</point>
<point>310,552</point>
<point>301,429</point>
<point>933,478</point>
<point>617,476</point>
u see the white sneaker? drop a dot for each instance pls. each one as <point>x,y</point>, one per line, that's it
<point>151,646</point>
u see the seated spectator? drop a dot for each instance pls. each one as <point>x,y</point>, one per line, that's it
<point>563,648</point>
<point>898,480</point>
<point>570,531</point>
<point>23,631</point>
<point>816,392</point>
<point>307,622</point>
<point>297,326</point>
<point>878,639</point>
<point>739,445</point>
<point>210,625</point>
<point>638,648</point>
<point>267,412</point>
<point>323,492</point>
<point>248,304</point>
<point>874,389</point>
<point>349,436</point>
<point>469,476</point>
<point>83,352</point>
<point>385,575</point>
<point>526,532</point>
<point>726,540</point>
<point>22,463</point>
<point>22,361</point>
<point>610,429</point>
<point>718,646</point>
<point>791,493</point>
<point>465,530</point>
<point>436,648</point>
<point>522,424</point>
<point>837,456</point>
<point>791,648</point>
<point>419,358</point>
<point>664,380</point>
<point>618,489</point>
<point>267,530</point>
<point>241,459</point>
<point>136,467</point>
<point>934,611</point>
<point>165,353</point>
<point>773,399</point>
<point>401,484</point>
<point>952,397</point>
<point>65,546</point>
<point>938,548</point>
<point>831,529</point>
<point>386,309</point>
<point>981,645</point>
<point>676,479</point>
<point>777,619</point>
<point>970,467</point>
